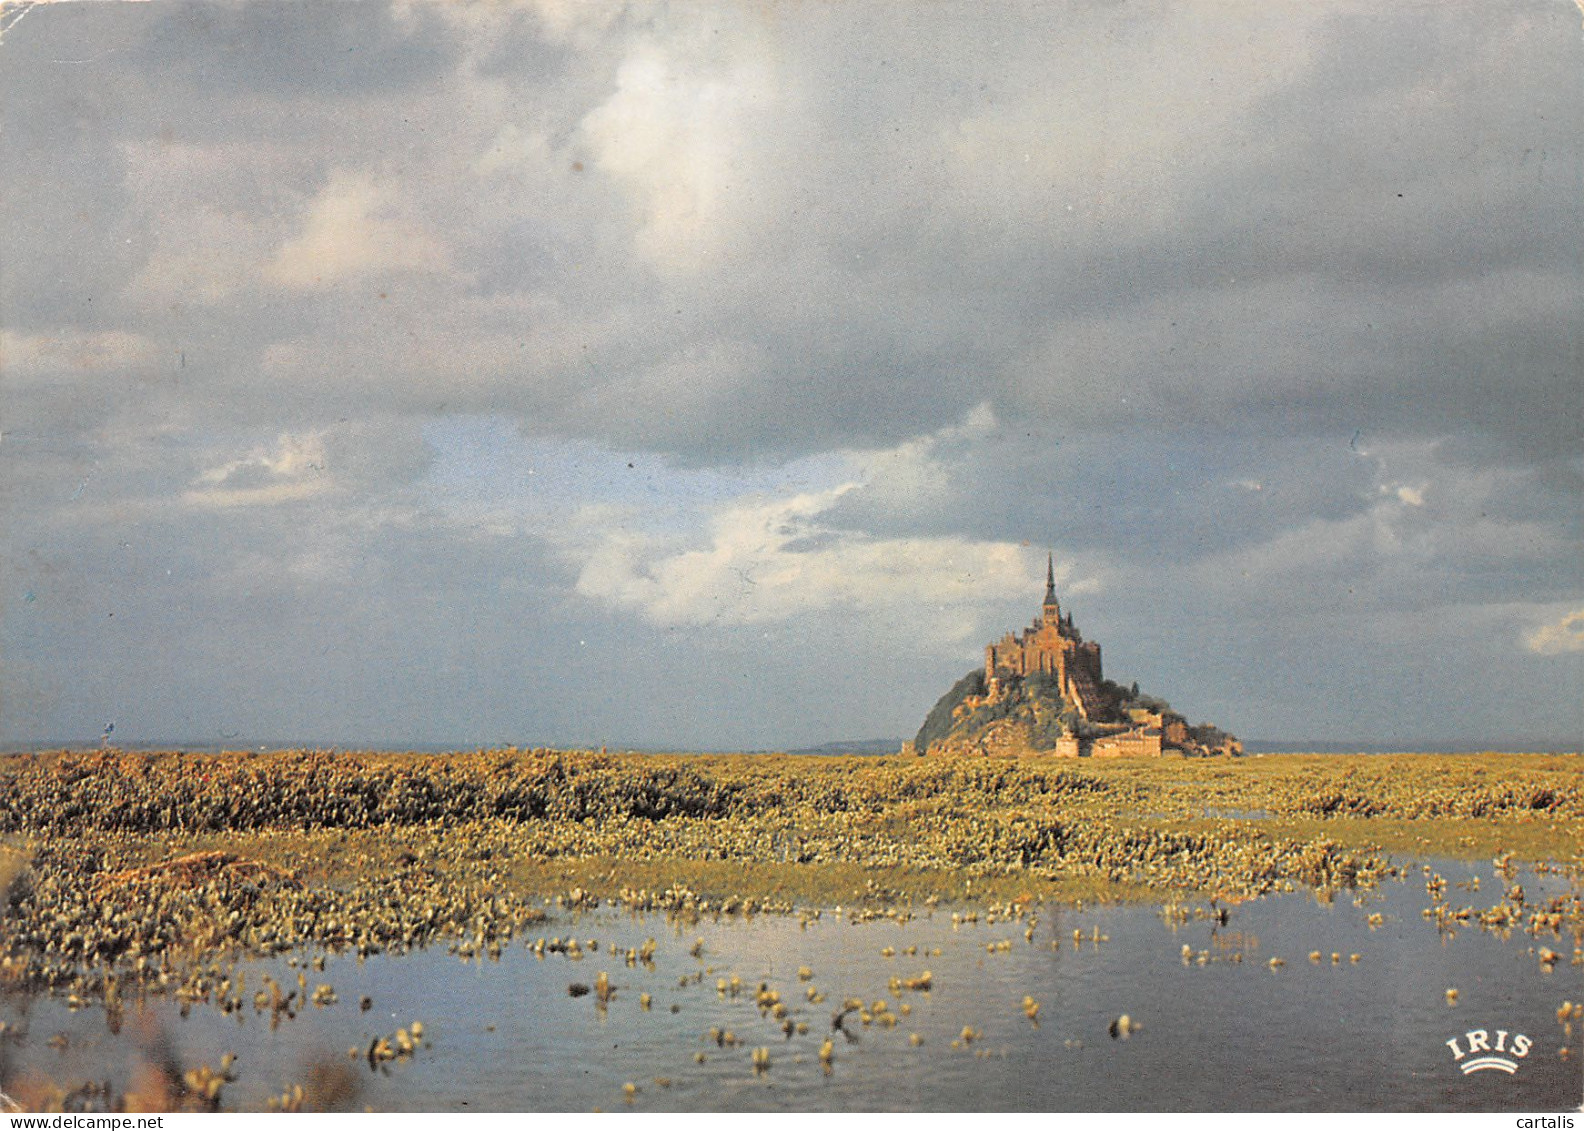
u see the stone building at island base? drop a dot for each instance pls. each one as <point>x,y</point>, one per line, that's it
<point>1139,742</point>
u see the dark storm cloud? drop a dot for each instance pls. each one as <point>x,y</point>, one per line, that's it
<point>1291,287</point>
<point>284,49</point>
<point>1251,314</point>
<point>1097,491</point>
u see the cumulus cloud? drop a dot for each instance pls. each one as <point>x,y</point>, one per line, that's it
<point>572,21</point>
<point>925,471</point>
<point>681,131</point>
<point>774,560</point>
<point>1140,284</point>
<point>1118,138</point>
<point>72,353</point>
<point>1563,635</point>
<point>355,227</point>
<point>1461,535</point>
<point>206,259</point>
<point>294,469</point>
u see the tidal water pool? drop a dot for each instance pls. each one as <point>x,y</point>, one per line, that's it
<point>1213,1025</point>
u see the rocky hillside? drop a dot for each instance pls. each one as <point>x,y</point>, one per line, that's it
<point>1030,716</point>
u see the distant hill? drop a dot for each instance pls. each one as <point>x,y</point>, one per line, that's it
<point>1367,746</point>
<point>863,746</point>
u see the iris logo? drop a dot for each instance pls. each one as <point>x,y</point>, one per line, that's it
<point>1479,1041</point>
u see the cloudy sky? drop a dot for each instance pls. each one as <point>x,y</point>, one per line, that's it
<point>718,375</point>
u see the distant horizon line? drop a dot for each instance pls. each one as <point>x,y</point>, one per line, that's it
<point>876,746</point>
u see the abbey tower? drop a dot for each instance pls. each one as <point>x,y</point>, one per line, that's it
<point>1051,646</point>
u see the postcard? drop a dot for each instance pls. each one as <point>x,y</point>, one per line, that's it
<point>755,555</point>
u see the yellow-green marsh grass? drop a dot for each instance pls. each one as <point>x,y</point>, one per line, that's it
<point>12,860</point>
<point>372,852</point>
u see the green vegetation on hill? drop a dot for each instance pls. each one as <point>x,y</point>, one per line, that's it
<point>938,723</point>
<point>1034,703</point>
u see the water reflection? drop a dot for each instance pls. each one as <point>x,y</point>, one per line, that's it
<point>939,1011</point>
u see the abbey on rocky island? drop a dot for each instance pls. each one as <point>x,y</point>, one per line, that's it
<point>1043,690</point>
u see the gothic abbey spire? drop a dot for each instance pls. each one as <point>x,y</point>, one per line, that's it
<point>1052,646</point>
